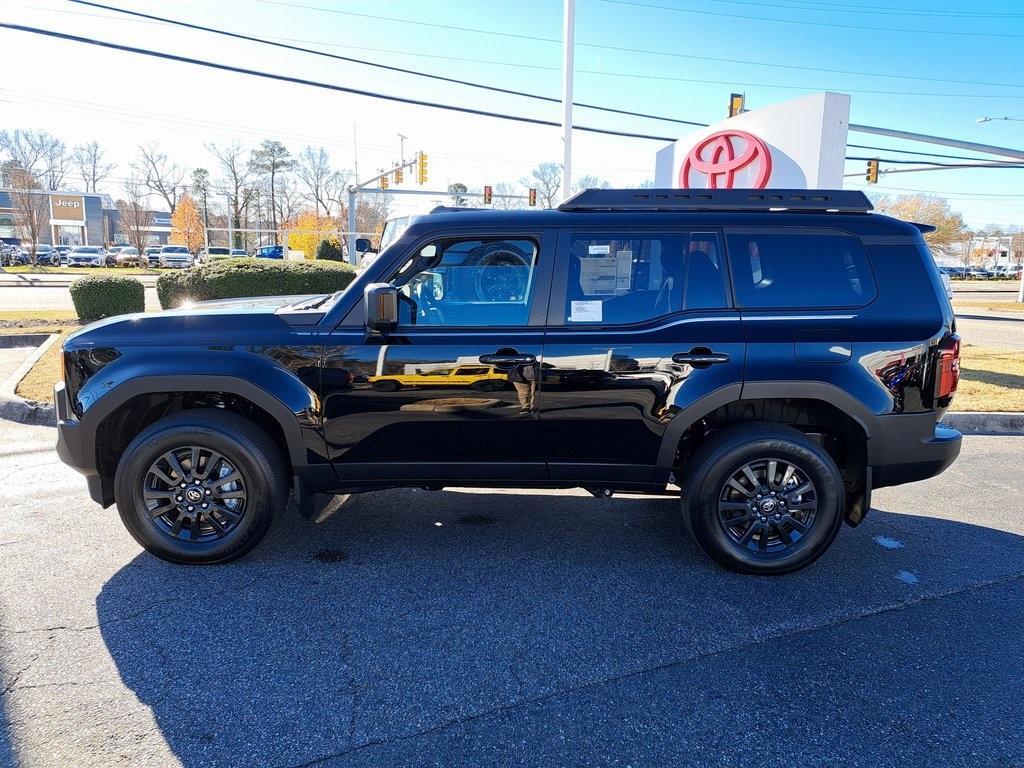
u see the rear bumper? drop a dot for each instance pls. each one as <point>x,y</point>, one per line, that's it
<point>76,448</point>
<point>911,447</point>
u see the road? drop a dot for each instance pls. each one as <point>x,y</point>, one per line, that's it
<point>39,297</point>
<point>489,628</point>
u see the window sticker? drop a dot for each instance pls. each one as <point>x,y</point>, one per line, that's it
<point>585,312</point>
<point>599,250</point>
<point>607,275</point>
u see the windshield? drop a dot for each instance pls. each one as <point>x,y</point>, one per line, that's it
<point>85,249</point>
<point>175,249</point>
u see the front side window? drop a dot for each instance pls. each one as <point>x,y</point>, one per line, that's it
<point>626,279</point>
<point>794,270</point>
<point>472,282</point>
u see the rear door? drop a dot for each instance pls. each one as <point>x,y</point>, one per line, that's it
<point>640,327</point>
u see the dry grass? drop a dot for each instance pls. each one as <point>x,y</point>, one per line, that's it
<point>38,382</point>
<point>990,380</point>
<point>990,306</point>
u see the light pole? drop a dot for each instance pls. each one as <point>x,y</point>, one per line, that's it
<point>568,26</point>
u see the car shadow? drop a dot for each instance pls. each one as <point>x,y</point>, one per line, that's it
<point>410,611</point>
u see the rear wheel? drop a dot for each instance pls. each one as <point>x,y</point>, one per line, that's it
<point>200,486</point>
<point>762,498</point>
<point>386,385</point>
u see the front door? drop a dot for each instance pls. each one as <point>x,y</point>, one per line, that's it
<point>641,326</point>
<point>451,394</point>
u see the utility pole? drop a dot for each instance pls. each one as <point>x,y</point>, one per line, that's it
<point>569,21</point>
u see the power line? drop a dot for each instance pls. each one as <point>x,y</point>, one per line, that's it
<point>497,89</point>
<point>322,85</point>
<point>376,65</point>
<point>913,152</point>
<point>803,22</point>
<point>985,164</point>
<point>873,10</point>
<point>623,49</point>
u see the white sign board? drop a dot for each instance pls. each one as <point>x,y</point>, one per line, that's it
<point>798,144</point>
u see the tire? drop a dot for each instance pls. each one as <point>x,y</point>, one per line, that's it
<point>386,385</point>
<point>260,490</point>
<point>734,534</point>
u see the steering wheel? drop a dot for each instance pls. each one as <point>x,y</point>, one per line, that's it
<point>501,276</point>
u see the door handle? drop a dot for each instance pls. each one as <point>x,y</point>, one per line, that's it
<point>700,357</point>
<point>507,358</point>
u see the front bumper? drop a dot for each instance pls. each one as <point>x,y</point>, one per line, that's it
<point>76,447</point>
<point>910,447</point>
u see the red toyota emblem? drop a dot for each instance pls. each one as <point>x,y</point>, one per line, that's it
<point>716,157</point>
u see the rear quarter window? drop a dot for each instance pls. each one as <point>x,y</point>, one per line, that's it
<point>794,270</point>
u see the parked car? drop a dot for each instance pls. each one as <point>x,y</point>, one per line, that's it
<point>1013,271</point>
<point>62,251</point>
<point>212,253</point>
<point>270,252</point>
<point>127,256</point>
<point>238,252</point>
<point>86,256</point>
<point>977,273</point>
<point>175,256</point>
<point>731,350</point>
<point>152,254</point>
<point>11,256</point>
<point>46,256</point>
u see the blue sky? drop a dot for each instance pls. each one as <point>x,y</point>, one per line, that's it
<point>678,58</point>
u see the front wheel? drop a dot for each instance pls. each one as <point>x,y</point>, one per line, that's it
<point>762,498</point>
<point>200,486</point>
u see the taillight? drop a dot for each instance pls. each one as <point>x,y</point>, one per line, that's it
<point>947,367</point>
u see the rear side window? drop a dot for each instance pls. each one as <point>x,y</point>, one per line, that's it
<point>630,278</point>
<point>787,270</point>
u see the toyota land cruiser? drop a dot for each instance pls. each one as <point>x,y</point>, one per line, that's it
<point>769,356</point>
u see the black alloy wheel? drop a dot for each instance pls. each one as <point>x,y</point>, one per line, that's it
<point>762,498</point>
<point>767,505</point>
<point>194,494</point>
<point>200,486</point>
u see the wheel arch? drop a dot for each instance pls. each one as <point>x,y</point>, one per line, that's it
<point>122,412</point>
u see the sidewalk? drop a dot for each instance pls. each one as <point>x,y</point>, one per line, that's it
<point>52,280</point>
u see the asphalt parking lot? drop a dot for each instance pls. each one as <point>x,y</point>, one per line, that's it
<point>483,628</point>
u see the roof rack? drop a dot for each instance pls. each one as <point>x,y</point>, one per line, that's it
<point>838,200</point>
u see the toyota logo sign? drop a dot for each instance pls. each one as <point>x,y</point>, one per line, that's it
<point>720,156</point>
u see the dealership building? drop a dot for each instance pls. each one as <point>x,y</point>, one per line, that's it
<point>79,219</point>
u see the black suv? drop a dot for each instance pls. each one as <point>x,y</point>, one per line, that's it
<point>773,354</point>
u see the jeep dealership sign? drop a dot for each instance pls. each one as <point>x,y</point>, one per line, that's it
<point>798,144</point>
<point>67,208</point>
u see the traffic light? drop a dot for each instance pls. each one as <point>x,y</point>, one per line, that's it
<point>488,194</point>
<point>736,101</point>
<point>384,182</point>
<point>421,171</point>
<point>872,174</point>
<point>533,196</point>
<point>399,175</point>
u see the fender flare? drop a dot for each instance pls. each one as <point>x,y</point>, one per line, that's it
<point>143,385</point>
<point>759,390</point>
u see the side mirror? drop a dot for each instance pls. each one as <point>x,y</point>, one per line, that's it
<point>363,245</point>
<point>380,307</point>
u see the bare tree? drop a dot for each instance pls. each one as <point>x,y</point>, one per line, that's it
<point>1017,248</point>
<point>321,184</point>
<point>134,217</point>
<point>235,170</point>
<point>91,162</point>
<point>31,209</point>
<point>589,182</point>
<point>159,175</point>
<point>546,178</point>
<point>39,152</point>
<point>289,199</point>
<point>457,194</point>
<point>506,203</point>
<point>271,160</point>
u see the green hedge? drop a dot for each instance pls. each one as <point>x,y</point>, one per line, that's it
<point>101,296</point>
<point>238,278</point>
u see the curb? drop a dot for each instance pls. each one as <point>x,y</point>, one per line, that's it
<point>15,408</point>
<point>985,422</point>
